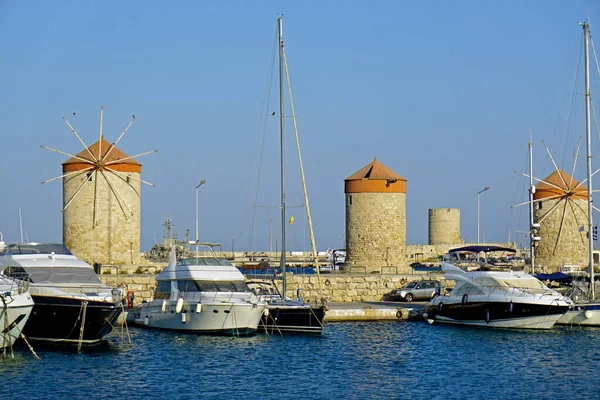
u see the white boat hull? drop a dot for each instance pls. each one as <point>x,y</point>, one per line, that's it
<point>581,314</point>
<point>204,318</point>
<point>537,322</point>
<point>14,313</point>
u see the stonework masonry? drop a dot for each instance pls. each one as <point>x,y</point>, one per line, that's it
<point>376,229</point>
<point>335,288</point>
<point>444,226</point>
<point>571,247</point>
<point>116,237</point>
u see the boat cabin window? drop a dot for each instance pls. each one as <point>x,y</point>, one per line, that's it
<point>491,282</point>
<point>203,261</point>
<point>163,290</point>
<point>55,274</point>
<point>466,288</point>
<point>36,248</point>
<point>212,286</point>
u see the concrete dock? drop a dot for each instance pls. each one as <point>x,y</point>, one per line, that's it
<point>374,311</point>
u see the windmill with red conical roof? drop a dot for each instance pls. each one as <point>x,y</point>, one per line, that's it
<point>101,201</point>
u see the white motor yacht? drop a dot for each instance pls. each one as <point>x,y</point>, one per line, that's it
<point>66,291</point>
<point>15,308</point>
<point>202,294</point>
<point>494,298</point>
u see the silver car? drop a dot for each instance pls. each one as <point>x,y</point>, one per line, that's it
<point>416,290</point>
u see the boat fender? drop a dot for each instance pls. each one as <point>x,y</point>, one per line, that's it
<point>440,305</point>
<point>465,298</point>
<point>403,281</point>
<point>487,316</point>
<point>184,317</point>
<point>399,314</point>
<point>146,321</point>
<point>199,308</point>
<point>588,314</point>
<point>276,314</point>
<point>327,283</point>
<point>179,306</point>
<point>164,306</point>
<point>510,307</point>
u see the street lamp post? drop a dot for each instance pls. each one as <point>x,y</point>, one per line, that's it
<point>202,182</point>
<point>478,193</point>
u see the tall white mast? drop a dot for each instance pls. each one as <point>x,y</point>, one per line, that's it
<point>588,135</point>
<point>281,138</point>
<point>532,234</point>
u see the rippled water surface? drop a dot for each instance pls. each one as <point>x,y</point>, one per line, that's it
<point>388,360</point>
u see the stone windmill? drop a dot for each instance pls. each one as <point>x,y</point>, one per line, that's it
<point>101,201</point>
<point>559,219</point>
<point>375,217</point>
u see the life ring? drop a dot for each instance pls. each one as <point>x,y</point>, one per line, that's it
<point>399,314</point>
<point>327,283</point>
<point>403,281</point>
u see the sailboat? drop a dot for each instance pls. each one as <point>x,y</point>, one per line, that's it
<point>586,314</point>
<point>285,314</point>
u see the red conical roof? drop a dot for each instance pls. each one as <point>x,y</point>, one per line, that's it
<point>374,170</point>
<point>559,183</point>
<point>99,151</point>
<point>375,177</point>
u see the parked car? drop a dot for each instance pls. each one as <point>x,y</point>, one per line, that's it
<point>415,290</point>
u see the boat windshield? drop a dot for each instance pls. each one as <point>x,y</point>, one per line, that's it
<point>520,283</point>
<point>203,261</point>
<point>525,283</point>
<point>212,286</point>
<point>83,275</point>
<point>36,248</point>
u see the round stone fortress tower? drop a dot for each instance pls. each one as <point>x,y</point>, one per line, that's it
<point>101,220</point>
<point>444,226</point>
<point>375,217</point>
<point>562,215</point>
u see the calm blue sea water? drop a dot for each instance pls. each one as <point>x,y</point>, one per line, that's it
<point>388,360</point>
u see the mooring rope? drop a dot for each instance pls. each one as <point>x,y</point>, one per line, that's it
<point>82,327</point>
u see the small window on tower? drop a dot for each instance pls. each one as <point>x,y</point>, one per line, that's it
<point>89,176</point>
<point>127,178</point>
<point>350,200</point>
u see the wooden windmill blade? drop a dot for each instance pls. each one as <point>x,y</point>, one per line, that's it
<point>99,162</point>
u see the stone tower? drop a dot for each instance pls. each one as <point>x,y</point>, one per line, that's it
<point>375,217</point>
<point>562,215</point>
<point>101,224</point>
<point>444,226</point>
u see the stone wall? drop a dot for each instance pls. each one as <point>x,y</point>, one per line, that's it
<point>571,247</point>
<point>335,288</point>
<point>376,230</point>
<point>116,237</point>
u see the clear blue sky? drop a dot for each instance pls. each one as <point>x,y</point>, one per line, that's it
<point>444,93</point>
